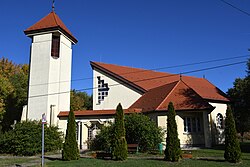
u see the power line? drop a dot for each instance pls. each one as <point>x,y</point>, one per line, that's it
<point>143,70</point>
<point>141,80</point>
<point>235,7</point>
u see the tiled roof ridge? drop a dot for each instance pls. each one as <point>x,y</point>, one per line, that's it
<point>177,83</point>
<point>143,69</point>
<point>50,22</point>
<point>195,91</point>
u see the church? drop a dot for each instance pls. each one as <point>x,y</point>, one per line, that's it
<point>200,106</point>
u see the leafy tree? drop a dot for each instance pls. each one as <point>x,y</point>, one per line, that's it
<point>80,101</point>
<point>240,94</point>
<point>139,129</point>
<point>25,139</point>
<point>143,131</point>
<point>119,145</point>
<point>172,151</point>
<point>70,147</point>
<point>232,146</point>
<point>13,91</point>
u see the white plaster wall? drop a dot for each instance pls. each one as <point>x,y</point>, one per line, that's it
<point>53,77</point>
<point>185,138</point>
<point>116,94</point>
<point>218,134</point>
<point>219,108</point>
<point>65,74</point>
<point>39,74</point>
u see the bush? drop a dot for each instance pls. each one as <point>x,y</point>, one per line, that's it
<point>70,147</point>
<point>143,131</point>
<point>102,140</point>
<point>139,130</point>
<point>26,139</point>
<point>232,146</point>
<point>172,151</point>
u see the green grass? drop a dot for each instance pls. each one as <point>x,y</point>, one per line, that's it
<point>10,161</point>
<point>202,157</point>
<point>145,163</point>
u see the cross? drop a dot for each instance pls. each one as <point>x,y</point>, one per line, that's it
<point>53,5</point>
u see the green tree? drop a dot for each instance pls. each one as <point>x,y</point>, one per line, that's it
<point>80,101</point>
<point>143,131</point>
<point>13,91</point>
<point>172,151</point>
<point>232,146</point>
<point>119,147</point>
<point>240,95</point>
<point>70,147</point>
<point>25,139</point>
<point>139,129</point>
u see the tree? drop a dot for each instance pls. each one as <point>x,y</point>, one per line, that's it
<point>240,95</point>
<point>172,151</point>
<point>13,91</point>
<point>232,146</point>
<point>70,147</point>
<point>25,139</point>
<point>139,129</point>
<point>119,145</point>
<point>143,131</point>
<point>80,101</point>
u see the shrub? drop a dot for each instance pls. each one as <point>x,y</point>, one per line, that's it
<point>102,140</point>
<point>119,143</point>
<point>141,130</point>
<point>70,147</point>
<point>232,146</point>
<point>172,151</point>
<point>26,139</point>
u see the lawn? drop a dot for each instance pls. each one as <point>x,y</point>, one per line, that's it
<point>13,161</point>
<point>201,157</point>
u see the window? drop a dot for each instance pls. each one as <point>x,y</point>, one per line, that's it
<point>192,124</point>
<point>55,48</point>
<point>220,121</point>
<point>102,89</point>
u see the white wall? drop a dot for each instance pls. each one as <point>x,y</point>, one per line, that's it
<point>116,94</point>
<point>49,78</point>
<point>218,134</point>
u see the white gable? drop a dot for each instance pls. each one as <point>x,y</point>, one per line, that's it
<point>111,92</point>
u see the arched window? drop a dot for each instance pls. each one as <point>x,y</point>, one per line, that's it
<point>220,121</point>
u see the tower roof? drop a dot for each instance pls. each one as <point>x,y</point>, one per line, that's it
<point>49,23</point>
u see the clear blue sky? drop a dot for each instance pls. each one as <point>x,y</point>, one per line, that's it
<point>138,33</point>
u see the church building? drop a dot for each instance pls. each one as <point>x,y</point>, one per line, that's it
<point>200,106</point>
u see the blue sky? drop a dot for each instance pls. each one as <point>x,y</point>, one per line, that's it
<point>138,33</point>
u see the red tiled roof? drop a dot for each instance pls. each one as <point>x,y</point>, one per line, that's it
<point>97,112</point>
<point>182,96</point>
<point>150,100</point>
<point>144,80</point>
<point>50,22</point>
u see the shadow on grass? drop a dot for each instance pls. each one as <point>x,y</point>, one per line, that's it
<point>245,147</point>
<point>53,158</point>
<point>211,159</point>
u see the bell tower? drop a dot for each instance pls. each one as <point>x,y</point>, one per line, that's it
<point>50,68</point>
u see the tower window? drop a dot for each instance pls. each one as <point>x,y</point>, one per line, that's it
<point>55,46</point>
